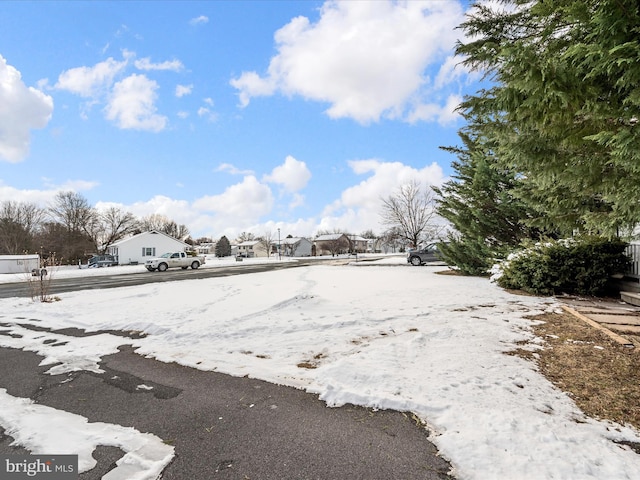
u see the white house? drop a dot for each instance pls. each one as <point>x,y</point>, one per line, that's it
<point>374,245</point>
<point>138,248</point>
<point>296,247</point>
<point>19,263</point>
<point>204,248</point>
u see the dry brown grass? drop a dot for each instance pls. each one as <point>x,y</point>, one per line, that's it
<point>601,376</point>
<point>449,272</point>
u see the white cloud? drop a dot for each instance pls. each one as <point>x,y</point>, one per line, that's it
<point>293,175</point>
<point>132,104</point>
<point>39,197</point>
<point>182,90</point>
<point>180,211</point>
<point>204,112</point>
<point>449,113</point>
<point>233,170</point>
<point>91,81</point>
<point>22,108</point>
<point>237,209</point>
<point>73,185</point>
<point>147,64</point>
<point>43,197</point>
<point>297,200</point>
<point>366,59</point>
<point>248,199</point>
<point>358,207</point>
<point>161,205</point>
<point>443,114</point>
<point>243,206</point>
<point>450,71</point>
<point>250,85</point>
<point>202,19</point>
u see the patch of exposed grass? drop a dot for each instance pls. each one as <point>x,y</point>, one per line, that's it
<point>601,376</point>
<point>307,365</point>
<point>451,271</point>
<point>311,364</point>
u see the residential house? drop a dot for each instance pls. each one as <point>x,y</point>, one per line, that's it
<point>296,247</point>
<point>204,248</point>
<point>374,245</point>
<point>251,249</point>
<point>138,248</point>
<point>358,244</point>
<point>331,244</point>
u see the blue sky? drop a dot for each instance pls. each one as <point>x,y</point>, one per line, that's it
<point>230,116</point>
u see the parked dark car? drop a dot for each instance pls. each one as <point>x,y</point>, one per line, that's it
<point>424,255</point>
<point>102,261</point>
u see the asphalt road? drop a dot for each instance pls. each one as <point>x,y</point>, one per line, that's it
<point>221,427</point>
<point>61,285</point>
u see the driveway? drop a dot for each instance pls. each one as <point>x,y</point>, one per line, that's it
<point>224,427</point>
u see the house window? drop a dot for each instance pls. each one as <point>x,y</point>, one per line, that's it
<point>148,251</point>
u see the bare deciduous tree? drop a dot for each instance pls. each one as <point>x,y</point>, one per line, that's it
<point>154,221</point>
<point>174,230</point>
<point>245,237</point>
<point>19,223</point>
<point>73,212</point>
<point>267,242</point>
<point>114,225</point>
<point>411,210</point>
<point>161,223</point>
<point>391,240</point>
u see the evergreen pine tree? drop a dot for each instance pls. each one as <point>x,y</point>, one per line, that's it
<point>223,247</point>
<point>564,105</point>
<point>479,203</point>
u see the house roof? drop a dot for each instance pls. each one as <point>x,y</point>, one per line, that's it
<point>330,236</point>
<point>292,240</point>
<point>248,243</point>
<point>152,232</point>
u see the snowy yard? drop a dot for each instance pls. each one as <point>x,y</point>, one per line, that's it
<point>382,335</point>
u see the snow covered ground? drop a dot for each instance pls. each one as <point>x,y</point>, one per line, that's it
<point>378,334</point>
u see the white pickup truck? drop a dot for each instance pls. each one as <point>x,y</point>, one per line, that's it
<point>174,259</point>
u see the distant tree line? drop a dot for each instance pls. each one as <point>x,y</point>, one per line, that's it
<point>70,229</point>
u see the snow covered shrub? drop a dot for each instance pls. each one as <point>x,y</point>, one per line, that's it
<point>583,266</point>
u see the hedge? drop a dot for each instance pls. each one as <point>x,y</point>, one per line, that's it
<point>581,266</point>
